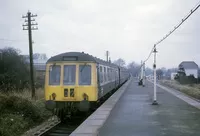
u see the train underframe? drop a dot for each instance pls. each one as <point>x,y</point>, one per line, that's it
<point>68,109</point>
<point>65,110</point>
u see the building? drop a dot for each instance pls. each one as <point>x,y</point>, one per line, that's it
<point>39,63</point>
<point>189,67</point>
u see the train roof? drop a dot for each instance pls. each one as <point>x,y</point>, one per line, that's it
<point>79,56</point>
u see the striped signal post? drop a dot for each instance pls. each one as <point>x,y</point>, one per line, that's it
<point>154,67</point>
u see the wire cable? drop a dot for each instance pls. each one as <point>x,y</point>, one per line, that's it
<point>9,40</point>
<point>174,29</point>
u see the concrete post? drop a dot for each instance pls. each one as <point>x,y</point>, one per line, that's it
<point>154,67</point>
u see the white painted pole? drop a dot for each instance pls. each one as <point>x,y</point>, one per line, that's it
<point>154,66</point>
<point>144,74</point>
<point>141,70</point>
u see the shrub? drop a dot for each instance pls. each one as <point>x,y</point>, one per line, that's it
<point>18,114</point>
<point>14,72</point>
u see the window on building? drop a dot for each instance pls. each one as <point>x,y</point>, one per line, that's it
<point>84,75</point>
<point>69,75</point>
<point>54,75</point>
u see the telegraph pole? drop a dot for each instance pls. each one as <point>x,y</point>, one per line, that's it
<point>107,56</point>
<point>28,26</point>
<point>154,67</point>
<point>109,60</point>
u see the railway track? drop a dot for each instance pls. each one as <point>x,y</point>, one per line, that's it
<point>60,130</point>
<point>57,128</point>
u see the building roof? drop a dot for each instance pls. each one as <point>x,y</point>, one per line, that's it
<point>188,65</point>
<point>39,61</point>
<point>40,67</point>
<point>36,58</point>
<point>79,56</point>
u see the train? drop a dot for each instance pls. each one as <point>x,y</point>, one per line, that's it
<point>75,81</point>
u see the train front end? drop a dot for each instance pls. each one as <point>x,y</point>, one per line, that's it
<point>70,86</point>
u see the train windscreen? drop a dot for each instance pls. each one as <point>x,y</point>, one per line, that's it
<point>84,75</point>
<point>69,75</point>
<point>54,75</point>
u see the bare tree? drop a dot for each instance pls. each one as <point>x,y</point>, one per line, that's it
<point>133,68</point>
<point>159,73</point>
<point>120,62</point>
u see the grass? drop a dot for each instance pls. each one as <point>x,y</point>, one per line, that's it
<point>18,112</point>
<point>27,94</point>
<point>192,90</point>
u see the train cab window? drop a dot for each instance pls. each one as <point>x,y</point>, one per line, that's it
<point>69,75</point>
<point>54,75</point>
<point>84,75</point>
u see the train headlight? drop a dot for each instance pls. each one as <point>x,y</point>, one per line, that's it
<point>53,96</point>
<point>85,96</point>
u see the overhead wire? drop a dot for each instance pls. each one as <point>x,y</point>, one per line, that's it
<point>174,29</point>
<point>180,23</point>
<point>21,41</point>
<point>9,40</point>
<point>170,32</point>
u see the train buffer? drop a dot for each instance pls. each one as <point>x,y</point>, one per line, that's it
<point>132,114</point>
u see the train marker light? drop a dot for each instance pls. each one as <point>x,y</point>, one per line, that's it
<point>54,96</point>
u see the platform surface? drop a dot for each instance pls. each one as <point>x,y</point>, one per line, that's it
<point>90,127</point>
<point>134,115</point>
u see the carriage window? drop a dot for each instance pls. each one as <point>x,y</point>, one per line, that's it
<point>54,75</point>
<point>69,75</point>
<point>108,73</point>
<point>111,74</point>
<point>101,74</point>
<point>105,76</point>
<point>84,75</point>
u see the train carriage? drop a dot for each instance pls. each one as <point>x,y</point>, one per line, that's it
<point>75,80</point>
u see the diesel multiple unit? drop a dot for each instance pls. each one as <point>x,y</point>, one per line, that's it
<point>76,81</point>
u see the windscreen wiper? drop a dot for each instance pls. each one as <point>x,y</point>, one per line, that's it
<point>83,67</point>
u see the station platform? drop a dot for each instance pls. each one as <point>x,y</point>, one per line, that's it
<point>134,115</point>
<point>129,112</point>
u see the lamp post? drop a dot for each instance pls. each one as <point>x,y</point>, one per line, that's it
<point>154,67</point>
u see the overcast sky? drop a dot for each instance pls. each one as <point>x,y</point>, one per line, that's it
<point>127,28</point>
